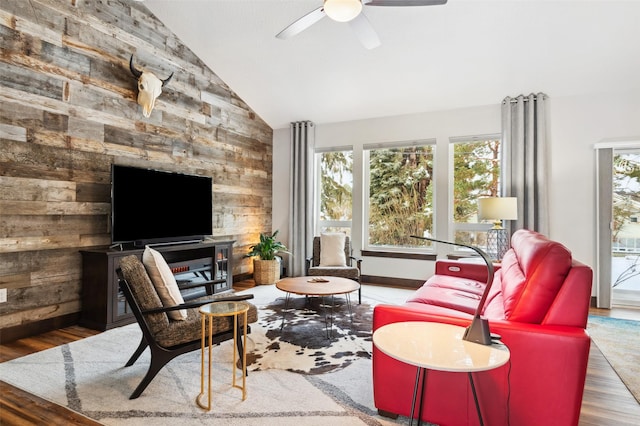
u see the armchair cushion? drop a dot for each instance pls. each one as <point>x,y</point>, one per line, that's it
<point>189,330</point>
<point>164,282</point>
<point>332,249</point>
<point>350,272</point>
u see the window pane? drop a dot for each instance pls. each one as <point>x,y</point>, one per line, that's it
<point>476,173</point>
<point>626,208</point>
<point>344,229</point>
<point>400,195</point>
<point>472,238</point>
<point>335,191</point>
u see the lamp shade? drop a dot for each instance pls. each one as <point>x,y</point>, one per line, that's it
<point>342,10</point>
<point>498,208</point>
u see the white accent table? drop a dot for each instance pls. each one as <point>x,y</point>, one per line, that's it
<point>437,346</point>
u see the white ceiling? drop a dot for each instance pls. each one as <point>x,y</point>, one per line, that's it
<point>465,53</point>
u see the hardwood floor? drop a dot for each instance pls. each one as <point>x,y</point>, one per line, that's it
<point>19,408</point>
<point>606,402</point>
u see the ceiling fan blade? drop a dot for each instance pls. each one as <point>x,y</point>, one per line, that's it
<point>365,32</point>
<point>302,24</point>
<point>399,3</point>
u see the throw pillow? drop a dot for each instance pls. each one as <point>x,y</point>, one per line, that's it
<point>164,282</point>
<point>332,249</point>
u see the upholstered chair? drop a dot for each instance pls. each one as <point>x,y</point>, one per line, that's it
<point>334,258</point>
<point>169,329</point>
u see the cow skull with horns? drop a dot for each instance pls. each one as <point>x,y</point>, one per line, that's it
<point>149,87</point>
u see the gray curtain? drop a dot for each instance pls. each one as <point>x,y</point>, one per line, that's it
<point>525,162</point>
<point>301,195</point>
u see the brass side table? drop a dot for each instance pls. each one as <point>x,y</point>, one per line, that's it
<point>208,313</point>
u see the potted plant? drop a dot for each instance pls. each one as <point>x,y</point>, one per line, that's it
<point>266,267</point>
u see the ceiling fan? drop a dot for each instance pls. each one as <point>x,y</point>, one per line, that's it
<point>350,11</point>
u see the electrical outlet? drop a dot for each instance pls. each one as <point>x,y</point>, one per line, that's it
<point>3,295</point>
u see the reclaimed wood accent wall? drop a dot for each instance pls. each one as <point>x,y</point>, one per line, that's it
<point>68,111</point>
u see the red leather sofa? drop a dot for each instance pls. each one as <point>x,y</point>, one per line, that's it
<point>538,303</point>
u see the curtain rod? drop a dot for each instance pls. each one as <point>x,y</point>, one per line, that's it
<point>526,98</point>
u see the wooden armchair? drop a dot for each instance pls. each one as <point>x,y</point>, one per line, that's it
<point>347,266</point>
<point>168,338</point>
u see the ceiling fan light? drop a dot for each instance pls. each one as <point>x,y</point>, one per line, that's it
<point>342,10</point>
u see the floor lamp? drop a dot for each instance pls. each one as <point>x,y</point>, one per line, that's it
<point>497,209</point>
<point>478,330</point>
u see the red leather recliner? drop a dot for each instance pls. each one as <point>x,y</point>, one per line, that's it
<point>538,303</point>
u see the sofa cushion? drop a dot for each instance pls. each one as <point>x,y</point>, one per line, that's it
<point>451,298</point>
<point>530,277</point>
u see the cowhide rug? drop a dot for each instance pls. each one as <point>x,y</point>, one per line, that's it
<point>303,346</point>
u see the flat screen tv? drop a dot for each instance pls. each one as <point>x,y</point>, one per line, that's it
<point>155,207</point>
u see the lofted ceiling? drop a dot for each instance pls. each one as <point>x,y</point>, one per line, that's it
<point>462,54</point>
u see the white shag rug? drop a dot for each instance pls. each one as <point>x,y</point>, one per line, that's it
<point>89,377</point>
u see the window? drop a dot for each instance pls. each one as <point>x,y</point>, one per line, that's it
<point>398,194</point>
<point>334,184</point>
<point>398,181</point>
<point>475,173</point>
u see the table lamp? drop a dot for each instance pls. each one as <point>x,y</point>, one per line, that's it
<point>478,330</point>
<point>497,209</point>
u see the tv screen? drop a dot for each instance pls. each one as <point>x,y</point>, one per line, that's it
<point>152,206</point>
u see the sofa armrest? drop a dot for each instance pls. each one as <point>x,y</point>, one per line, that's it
<point>473,271</point>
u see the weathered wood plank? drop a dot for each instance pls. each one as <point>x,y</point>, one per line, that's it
<point>93,192</point>
<point>14,133</point>
<point>80,128</point>
<point>47,225</point>
<point>29,81</point>
<point>26,116</point>
<point>26,26</point>
<point>15,280</point>
<point>34,12</point>
<point>20,243</point>
<point>36,189</point>
<point>38,313</point>
<point>18,207</point>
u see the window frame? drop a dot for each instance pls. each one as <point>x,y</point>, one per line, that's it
<point>319,224</point>
<point>454,226</point>
<point>366,182</point>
